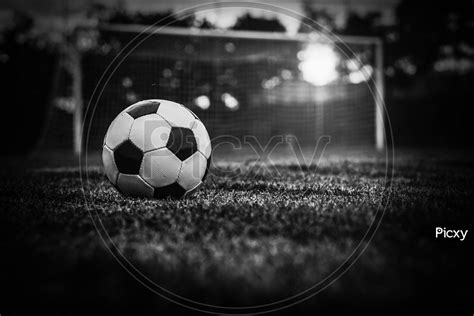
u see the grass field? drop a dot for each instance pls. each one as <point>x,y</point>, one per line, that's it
<point>246,238</point>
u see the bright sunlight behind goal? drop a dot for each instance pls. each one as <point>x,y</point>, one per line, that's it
<point>239,83</point>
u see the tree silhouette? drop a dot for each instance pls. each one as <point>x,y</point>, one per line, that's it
<point>317,19</point>
<point>250,23</point>
<point>119,16</point>
<point>426,32</point>
<point>357,24</point>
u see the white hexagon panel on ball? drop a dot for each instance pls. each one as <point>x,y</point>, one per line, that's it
<point>176,114</point>
<point>160,167</point>
<point>118,130</point>
<point>150,132</point>
<point>193,171</point>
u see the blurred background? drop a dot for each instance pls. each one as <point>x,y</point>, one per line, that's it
<point>287,78</point>
<point>244,69</point>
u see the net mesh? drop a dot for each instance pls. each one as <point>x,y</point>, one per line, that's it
<point>237,86</point>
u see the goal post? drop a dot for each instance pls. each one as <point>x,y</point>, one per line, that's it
<point>77,95</point>
<point>380,143</point>
<point>240,82</point>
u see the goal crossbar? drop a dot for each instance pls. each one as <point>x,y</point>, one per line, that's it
<point>224,33</point>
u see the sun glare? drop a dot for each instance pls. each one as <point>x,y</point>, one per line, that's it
<point>318,64</point>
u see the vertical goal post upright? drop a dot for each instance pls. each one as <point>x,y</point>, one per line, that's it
<point>375,42</point>
<point>77,95</point>
<point>379,96</point>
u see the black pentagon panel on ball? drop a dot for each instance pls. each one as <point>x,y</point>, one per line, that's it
<point>173,190</point>
<point>144,109</point>
<point>182,142</point>
<point>128,158</point>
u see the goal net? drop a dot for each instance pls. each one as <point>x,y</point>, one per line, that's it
<point>240,84</point>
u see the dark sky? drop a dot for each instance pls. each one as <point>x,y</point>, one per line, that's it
<point>223,18</point>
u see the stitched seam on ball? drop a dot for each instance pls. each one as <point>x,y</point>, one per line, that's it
<point>205,154</point>
<point>179,172</point>
<point>145,152</point>
<point>169,123</point>
<point>130,128</point>
<point>144,181</point>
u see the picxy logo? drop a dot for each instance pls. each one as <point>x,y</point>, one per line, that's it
<point>451,233</point>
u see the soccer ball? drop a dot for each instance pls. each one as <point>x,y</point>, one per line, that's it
<point>156,148</point>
